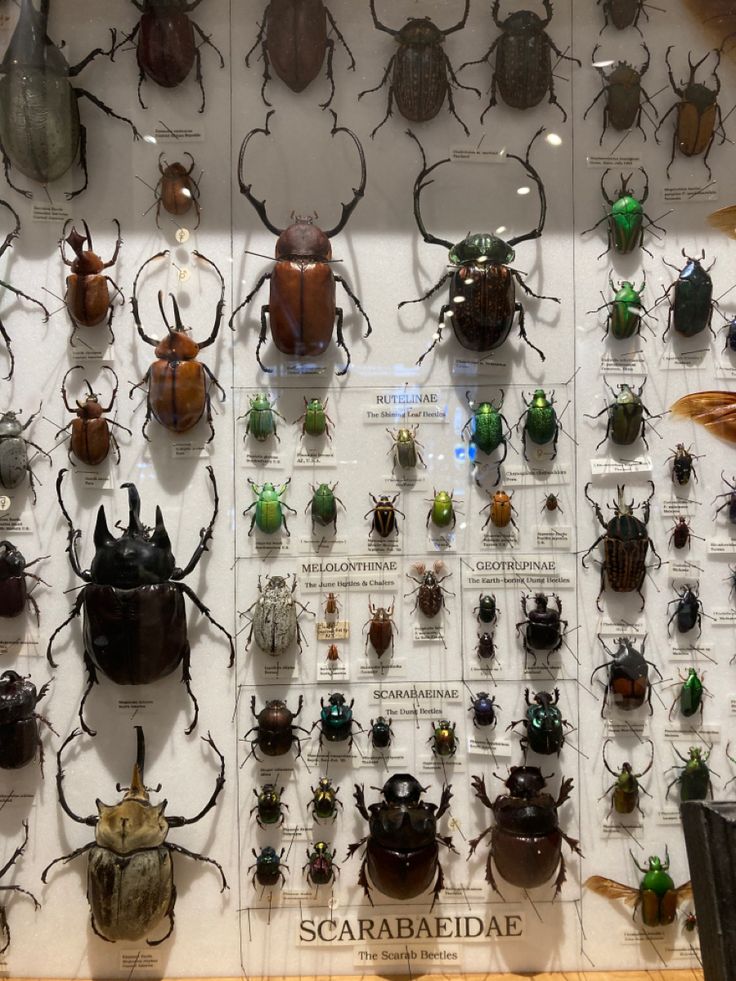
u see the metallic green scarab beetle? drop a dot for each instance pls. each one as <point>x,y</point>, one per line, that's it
<point>405,448</point>
<point>486,430</point>
<point>625,310</point>
<point>442,512</point>
<point>541,422</point>
<point>323,506</point>
<point>656,895</point>
<point>260,419</point>
<point>315,421</point>
<point>269,508</point>
<point>626,217</point>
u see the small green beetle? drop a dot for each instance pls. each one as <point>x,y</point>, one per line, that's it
<point>442,512</point>
<point>315,421</point>
<point>625,218</point>
<point>269,508</point>
<point>324,505</point>
<point>486,428</point>
<point>625,791</point>
<point>405,448</point>
<point>694,777</point>
<point>690,696</point>
<point>626,415</point>
<point>656,895</point>
<point>260,418</point>
<point>625,310</point>
<point>541,422</point>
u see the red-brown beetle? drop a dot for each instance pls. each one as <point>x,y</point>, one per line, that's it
<point>178,385</point>
<point>177,191</point>
<point>381,630</point>
<point>90,432</point>
<point>87,298</point>
<point>14,592</point>
<point>302,309</point>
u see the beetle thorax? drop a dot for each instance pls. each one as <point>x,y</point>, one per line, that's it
<point>12,562</point>
<point>10,424</point>
<point>87,264</point>
<point>131,825</point>
<point>419,31</point>
<point>303,240</point>
<point>176,346</point>
<point>523,22</point>
<point>700,95</point>
<point>481,248</point>
<point>90,408</point>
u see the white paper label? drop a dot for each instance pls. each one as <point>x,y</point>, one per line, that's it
<point>297,368</point>
<point>428,633</point>
<point>176,134</point>
<point>477,154</point>
<point>134,961</point>
<point>688,193</point>
<point>723,369</point>
<point>621,628</point>
<point>16,524</point>
<point>604,466</point>
<point>318,455</point>
<point>339,575</point>
<point>695,652</point>
<point>333,670</point>
<point>53,213</point>
<point>489,746</point>
<point>189,450</point>
<point>332,630</point>
<point>630,363</point>
<point>691,731</point>
<point>262,458</point>
<point>27,646</point>
<point>84,354</point>
<point>134,707</point>
<point>724,618</point>
<point>540,570</point>
<point>677,507</point>
<point>392,958</point>
<point>490,365</point>
<point>616,162</point>
<point>557,537</point>
<point>555,474</point>
<point>94,480</point>
<point>683,359</point>
<point>722,546</point>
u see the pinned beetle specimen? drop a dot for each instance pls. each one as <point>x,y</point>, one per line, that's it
<point>543,628</point>
<point>178,384</point>
<point>627,415</point>
<point>268,867</point>
<point>622,87</point>
<point>442,511</point>
<point>269,807</point>
<point>550,503</point>
<point>405,448</point>
<point>443,739</point>
<point>541,423</point>
<point>401,857</point>
<point>500,510</point>
<point>268,515</point>
<point>689,699</point>
<point>691,305</point>
<point>730,501</point>
<point>135,622</point>
<point>625,791</point>
<point>320,866</point>
<point>41,133</point>
<point>4,926</point>
<point>526,837</point>
<point>626,218</point>
<point>325,802</point>
<point>91,438</point>
<point>275,622</point>
<point>336,720</point>
<point>14,592</point>
<point>693,779</point>
<point>177,192</point>
<point>484,710</point>
<point>487,610</point>
<point>682,464</point>
<point>381,733</point>
<point>87,299</point>
<point>381,628</point>
<point>6,244</point>
<point>626,542</point>
<point>682,533</point>
<point>486,431</point>
<point>20,740</point>
<point>714,410</point>
<point>166,48</point>
<point>656,895</point>
<point>314,419</point>
<point>482,297</point>
<point>623,13</point>
<point>293,40</point>
<point>301,310</point>
<point>523,71</point>
<point>430,593</point>
<point>628,675</point>
<point>625,310</point>
<point>384,513</point>
<point>130,871</point>
<point>275,732</point>
<point>422,73</point>
<point>14,461</point>
<point>260,419</point>
<point>688,611</point>
<point>323,506</point>
<point>544,727</point>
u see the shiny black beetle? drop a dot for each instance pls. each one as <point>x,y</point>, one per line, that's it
<point>14,592</point>
<point>543,628</point>
<point>135,623</point>
<point>19,736</point>
<point>628,681</point>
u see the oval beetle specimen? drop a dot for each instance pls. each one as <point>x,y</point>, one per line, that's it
<point>541,422</point>
<point>405,448</point>
<point>550,504</point>
<point>20,739</point>
<point>485,430</point>
<point>623,13</point>
<point>486,610</point>
<point>442,513</point>
<point>484,710</point>
<point>681,533</point>
<point>268,515</point>
<point>91,438</point>
<point>177,192</point>
<point>627,416</point>
<point>691,304</point>
<point>87,299</point>
<point>430,593</point>
<point>14,593</point>
<point>542,628</point>
<point>486,648</point>
<point>443,740</point>
<point>628,680</point>
<point>380,733</point>
<point>682,465</point>
<point>689,699</point>
<point>323,506</point>
<point>625,310</point>
<point>729,503</point>
<point>14,461</point>
<point>260,421</point>
<point>275,732</point>
<point>688,611</point>
<point>621,85</point>
<point>626,218</point>
<point>625,791</point>
<point>332,653</point>
<point>4,926</point>
<point>384,512</point>
<point>544,727</point>
<point>268,866</point>
<point>500,509</point>
<point>269,808</point>
<point>314,419</point>
<point>275,623</point>
<point>693,778</point>
<point>325,802</point>
<point>381,628</point>
<point>320,866</point>
<point>656,896</point>
<point>336,720</point>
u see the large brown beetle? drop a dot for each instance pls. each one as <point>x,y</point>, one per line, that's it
<point>402,845</point>
<point>88,301</point>
<point>135,622</point>
<point>177,192</point>
<point>381,628</point>
<point>14,593</point>
<point>275,730</point>
<point>622,87</point>
<point>130,870</point>
<point>9,239</point>
<point>91,439</point>
<point>526,839</point>
<point>4,928</point>
<point>293,40</point>
<point>178,384</point>
<point>302,311</point>
<point>19,736</point>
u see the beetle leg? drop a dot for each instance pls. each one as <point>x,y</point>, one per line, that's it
<point>200,858</point>
<point>92,680</point>
<point>356,301</point>
<point>107,110</point>
<point>205,612</point>
<point>170,914</point>
<point>340,341</point>
<point>75,613</point>
<point>522,333</point>
<point>561,875</point>
<point>529,291</point>
<point>389,107</point>
<point>67,858</point>
<point>206,39</point>
<point>330,45</point>
<point>82,162</point>
<point>438,285</point>
<point>379,86</point>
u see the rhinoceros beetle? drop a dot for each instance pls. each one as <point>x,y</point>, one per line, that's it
<point>656,895</point>
<point>526,837</point>
<point>628,680</point>
<point>14,461</point>
<point>293,40</point>
<point>301,310</point>
<point>9,238</point>
<point>41,133</point>
<point>401,857</point>
<point>275,730</point>
<point>135,623</point>
<point>14,593</point>
<point>482,297</point>
<point>87,299</point>
<point>178,384</point>
<point>622,87</point>
<point>90,439</point>
<point>19,735</point>
<point>130,871</point>
<point>4,927</point>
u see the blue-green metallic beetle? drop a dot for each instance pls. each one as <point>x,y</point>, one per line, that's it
<point>269,508</point>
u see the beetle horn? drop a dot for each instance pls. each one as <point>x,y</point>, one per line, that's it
<point>177,316</point>
<point>137,787</point>
<point>75,241</point>
<point>163,312</point>
<point>28,44</point>
<point>134,510</point>
<point>102,534</point>
<point>88,234</point>
<point>160,537</point>
<point>347,209</point>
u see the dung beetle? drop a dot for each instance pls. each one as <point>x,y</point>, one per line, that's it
<point>90,439</point>
<point>135,621</point>
<point>541,423</point>
<point>698,113</point>
<point>484,710</point>
<point>381,628</point>
<point>4,926</point>
<point>324,802</point>
<point>500,510</point>
<point>729,503</point>
<point>269,808</point>
<point>130,871</point>
<point>430,593</point>
<point>482,297</point>
<point>260,419</point>
<point>87,298</point>
<point>275,730</point>
<point>301,309</point>
<point>422,73</point>
<point>693,778</point>
<point>544,727</point>
<point>523,72</point>
<point>623,90</point>
<point>623,13</point>
<point>486,648</point>
<point>627,415</point>
<point>323,506</point>
<point>485,429</point>
<point>14,461</point>
<point>691,304</point>
<point>626,218</point>
<point>4,246</point>
<point>405,448</point>
<point>268,867</point>
<point>336,720</point>
<point>442,511</point>
<point>314,419</point>
<point>14,592</point>
<point>551,503</point>
<point>626,542</point>
<point>36,92</point>
<point>688,611</point>
<point>381,733</point>
<point>486,610</point>
<point>443,739</point>
<point>320,865</point>
<point>628,675</point>
<point>625,791</point>
<point>625,310</point>
<point>401,857</point>
<point>166,48</point>
<point>384,513</point>
<point>689,699</point>
<point>542,628</point>
<point>19,735</point>
<point>177,383</point>
<point>293,40</point>
<point>275,623</point>
<point>656,895</point>
<point>526,837</point>
<point>177,192</point>
<point>681,533</point>
<point>682,464</point>
<point>269,515</point>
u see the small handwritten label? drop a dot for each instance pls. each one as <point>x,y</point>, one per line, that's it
<point>175,134</point>
<point>683,359</point>
<point>53,213</point>
<point>722,369</point>
<point>557,474</point>
<point>299,831</point>
<point>391,759</point>
<point>604,466</point>
<point>631,363</point>
<point>614,161</point>
<point>722,546</point>
<point>333,630</point>
<point>559,537</point>
<point>493,539</point>
<point>668,818</point>
<point>16,524</point>
<point>319,455</point>
<point>189,450</point>
<point>140,960</point>
<point>429,633</point>
<point>687,193</point>
<point>688,571</point>
<point>438,541</point>
<point>488,366</point>
<point>639,937</point>
<point>390,544</point>
<point>431,764</point>
<point>489,746</point>
<point>471,154</point>
<point>724,618</point>
<point>280,669</point>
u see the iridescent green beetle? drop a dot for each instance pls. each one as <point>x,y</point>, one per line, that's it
<point>626,217</point>
<point>624,310</point>
<point>693,778</point>
<point>324,505</point>
<point>260,418</point>
<point>405,448</point>
<point>442,512</point>
<point>269,508</point>
<point>656,895</point>
<point>690,696</point>
<point>541,422</point>
<point>314,419</point>
<point>486,427</point>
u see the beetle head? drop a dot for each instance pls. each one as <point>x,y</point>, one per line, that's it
<point>303,240</point>
<point>402,788</point>
<point>420,31</point>
<point>10,424</point>
<point>268,856</point>
<point>525,781</point>
<point>481,248</point>
<point>12,562</point>
<point>17,697</point>
<point>29,46</point>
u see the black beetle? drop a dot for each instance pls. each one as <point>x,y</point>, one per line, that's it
<point>293,40</point>
<point>324,802</point>
<point>730,501</point>
<point>627,415</point>
<point>40,129</point>
<point>4,927</point>
<point>268,867</point>
<point>422,73</point>
<point>14,593</point>
<point>130,871</point>
<point>626,542</point>
<point>691,305</point>
<point>523,71</point>
<point>623,13</point>
<point>526,837</point>
<point>486,648</point>
<point>401,858</point>
<point>430,593</point>
<point>486,610</point>
<point>628,675</point>
<point>693,779</point>
<point>135,623</point>
<point>484,710</point>
<point>681,533</point>
<point>682,464</point>
<point>622,87</point>
<point>543,628</point>
<point>320,866</point>
<point>482,297</point>
<point>688,611</point>
<point>275,730</point>
<point>544,727</point>
<point>625,791</point>
<point>301,307</point>
<point>19,735</point>
<point>269,808</point>
<point>381,733</point>
<point>336,720</point>
<point>384,513</point>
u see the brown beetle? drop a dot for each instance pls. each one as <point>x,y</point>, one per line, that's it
<point>381,629</point>
<point>332,653</point>
<point>302,310</point>
<point>500,510</point>
<point>177,191</point>
<point>87,297</point>
<point>681,533</point>
<point>178,391</point>
<point>332,605</point>
<point>90,432</point>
